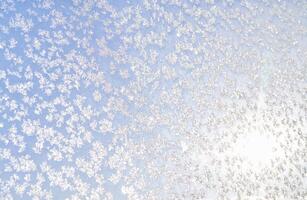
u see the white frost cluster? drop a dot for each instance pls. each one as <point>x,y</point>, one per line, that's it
<point>153,99</point>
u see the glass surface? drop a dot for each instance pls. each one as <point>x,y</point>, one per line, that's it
<point>153,99</point>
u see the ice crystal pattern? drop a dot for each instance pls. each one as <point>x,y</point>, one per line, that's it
<point>153,99</point>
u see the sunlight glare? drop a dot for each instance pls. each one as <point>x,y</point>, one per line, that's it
<point>257,149</point>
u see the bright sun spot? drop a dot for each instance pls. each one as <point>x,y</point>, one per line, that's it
<point>256,149</point>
